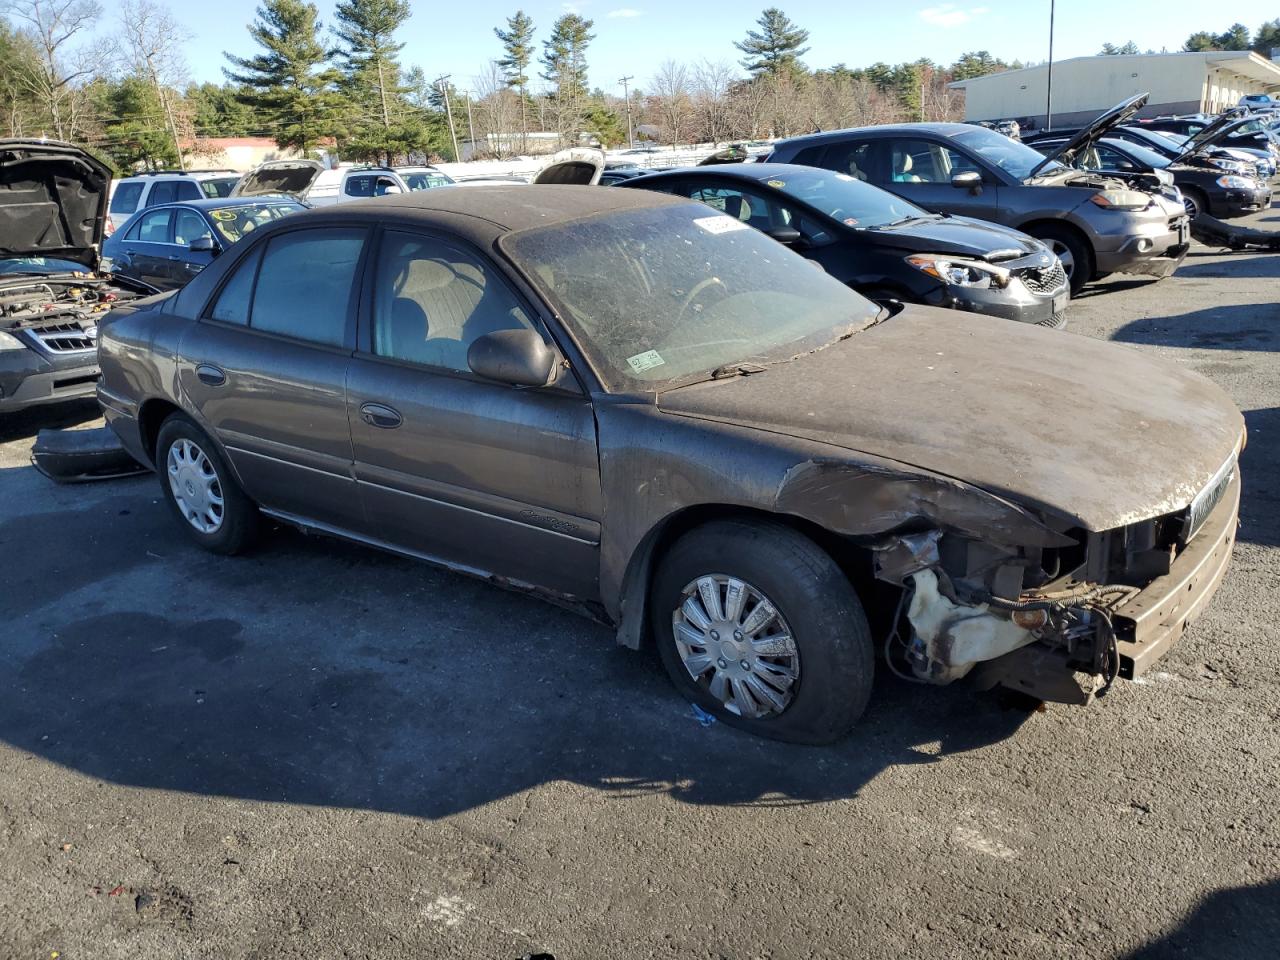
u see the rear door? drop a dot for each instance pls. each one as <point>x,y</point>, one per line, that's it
<point>147,247</point>
<point>476,474</point>
<point>266,368</point>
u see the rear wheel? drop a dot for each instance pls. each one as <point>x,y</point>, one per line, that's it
<point>201,489</point>
<point>1072,250</point>
<point>757,625</point>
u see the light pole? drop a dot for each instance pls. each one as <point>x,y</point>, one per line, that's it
<point>626,95</point>
<point>1048,102</point>
<point>448,112</point>
<point>471,124</point>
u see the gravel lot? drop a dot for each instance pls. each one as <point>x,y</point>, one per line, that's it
<point>318,751</point>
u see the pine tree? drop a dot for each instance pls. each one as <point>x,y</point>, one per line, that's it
<point>777,47</point>
<point>517,45</point>
<point>1237,37</point>
<point>1200,41</point>
<point>291,80</point>
<point>1267,38</point>
<point>564,61</point>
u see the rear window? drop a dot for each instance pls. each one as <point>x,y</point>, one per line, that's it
<point>126,197</point>
<point>219,187</point>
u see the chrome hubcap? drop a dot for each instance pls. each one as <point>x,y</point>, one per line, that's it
<point>195,486</point>
<point>736,645</point>
<point>1063,254</point>
<point>1190,205</point>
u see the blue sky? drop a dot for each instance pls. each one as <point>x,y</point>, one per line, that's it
<point>635,36</point>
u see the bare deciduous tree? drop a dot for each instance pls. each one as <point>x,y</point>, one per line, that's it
<point>500,121</point>
<point>56,28</point>
<point>712,86</point>
<point>152,41</point>
<point>670,99</point>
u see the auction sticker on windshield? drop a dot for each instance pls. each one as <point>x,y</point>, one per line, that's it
<point>720,225</point>
<point>646,361</point>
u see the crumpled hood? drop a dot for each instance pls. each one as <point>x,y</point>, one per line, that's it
<point>292,178</point>
<point>1096,433</point>
<point>959,235</point>
<point>53,201</point>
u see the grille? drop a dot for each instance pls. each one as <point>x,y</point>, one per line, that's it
<point>1207,499</point>
<point>69,337</point>
<point>1048,281</point>
<point>1059,319</point>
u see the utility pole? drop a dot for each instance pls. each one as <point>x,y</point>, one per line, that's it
<point>448,112</point>
<point>1048,103</point>
<point>626,95</point>
<point>471,124</point>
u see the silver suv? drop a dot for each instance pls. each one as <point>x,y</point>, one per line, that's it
<point>131,194</point>
<point>1097,225</point>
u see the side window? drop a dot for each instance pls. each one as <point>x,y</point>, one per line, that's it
<point>162,191</point>
<point>751,208</point>
<point>809,156</point>
<point>855,159</point>
<point>359,186</point>
<point>153,227</point>
<point>432,301</point>
<point>232,305</point>
<point>187,226</point>
<point>187,190</point>
<point>1104,158</point>
<point>921,161</point>
<point>126,198</point>
<point>305,282</point>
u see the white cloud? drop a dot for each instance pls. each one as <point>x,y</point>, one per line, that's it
<point>625,13</point>
<point>949,15</point>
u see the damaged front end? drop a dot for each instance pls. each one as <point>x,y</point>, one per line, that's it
<point>1058,623</point>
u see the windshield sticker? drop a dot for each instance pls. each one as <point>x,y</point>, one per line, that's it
<point>647,360</point>
<point>222,214</point>
<point>777,184</point>
<point>720,225</point>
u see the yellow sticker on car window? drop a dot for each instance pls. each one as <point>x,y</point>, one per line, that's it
<point>777,184</point>
<point>222,214</point>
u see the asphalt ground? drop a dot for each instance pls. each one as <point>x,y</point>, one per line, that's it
<point>320,751</point>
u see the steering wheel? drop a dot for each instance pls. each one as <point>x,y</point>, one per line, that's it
<point>693,294</point>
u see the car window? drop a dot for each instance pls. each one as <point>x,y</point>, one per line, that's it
<point>188,225</point>
<point>432,301</point>
<point>305,283</point>
<point>232,305</point>
<point>152,227</point>
<point>426,181</point>
<point>162,191</point>
<point>1107,159</point>
<point>922,161</point>
<point>809,156</point>
<point>126,197</point>
<point>855,159</point>
<point>187,190</point>
<point>237,221</point>
<point>756,211</point>
<point>359,186</point>
<point>219,187</point>
<point>1015,158</point>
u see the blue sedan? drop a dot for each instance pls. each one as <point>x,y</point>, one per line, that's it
<point>166,246</point>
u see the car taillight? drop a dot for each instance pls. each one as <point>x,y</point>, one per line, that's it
<point>111,228</point>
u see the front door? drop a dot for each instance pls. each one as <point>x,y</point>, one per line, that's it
<point>266,370</point>
<point>489,477</point>
<point>921,171</point>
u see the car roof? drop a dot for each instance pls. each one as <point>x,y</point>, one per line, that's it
<point>221,203</point>
<point>739,171</point>
<point>181,174</point>
<point>884,130</point>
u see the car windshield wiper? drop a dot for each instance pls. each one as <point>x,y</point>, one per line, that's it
<point>904,221</point>
<point>739,369</point>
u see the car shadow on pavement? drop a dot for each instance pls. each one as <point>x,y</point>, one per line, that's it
<point>1240,266</point>
<point>1227,925</point>
<point>23,424</point>
<point>316,672</point>
<point>1226,327</point>
<point>1260,474</point>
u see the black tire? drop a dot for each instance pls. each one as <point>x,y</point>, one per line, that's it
<point>239,515</point>
<point>815,600</point>
<point>882,295</point>
<point>1081,267</point>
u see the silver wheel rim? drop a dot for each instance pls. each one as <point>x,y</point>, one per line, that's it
<point>736,645</point>
<point>1063,254</point>
<point>1192,208</point>
<point>195,486</point>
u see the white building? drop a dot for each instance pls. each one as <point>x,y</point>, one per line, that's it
<point>1083,87</point>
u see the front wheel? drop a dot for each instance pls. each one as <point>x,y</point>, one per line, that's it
<point>757,625</point>
<point>201,489</point>
<point>1074,252</point>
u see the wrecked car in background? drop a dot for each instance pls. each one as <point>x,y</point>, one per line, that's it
<point>53,214</point>
<point>648,411</point>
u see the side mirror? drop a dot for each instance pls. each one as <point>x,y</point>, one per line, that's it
<point>969,180</point>
<point>203,244</point>
<point>786,235</point>
<point>385,188</point>
<point>518,357</point>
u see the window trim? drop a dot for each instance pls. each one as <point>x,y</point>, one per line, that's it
<point>142,215</point>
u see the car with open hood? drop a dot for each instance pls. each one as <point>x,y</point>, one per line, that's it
<point>647,411</point>
<point>53,215</point>
<point>881,245</point>
<point>1095,224</point>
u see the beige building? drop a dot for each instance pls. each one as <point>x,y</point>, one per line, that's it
<point>1083,87</point>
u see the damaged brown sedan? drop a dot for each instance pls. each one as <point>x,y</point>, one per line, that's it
<point>641,408</point>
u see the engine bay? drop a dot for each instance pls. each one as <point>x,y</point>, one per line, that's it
<point>52,302</point>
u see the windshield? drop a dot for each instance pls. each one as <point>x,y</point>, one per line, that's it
<point>218,188</point>
<point>234,222</point>
<point>425,181</point>
<point>40,265</point>
<point>1144,155</point>
<point>1011,156</point>
<point>669,293</point>
<point>845,198</point>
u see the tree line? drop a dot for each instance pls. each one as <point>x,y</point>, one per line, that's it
<point>118,83</point>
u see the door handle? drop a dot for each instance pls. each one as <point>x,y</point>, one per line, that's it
<point>380,415</point>
<point>208,373</point>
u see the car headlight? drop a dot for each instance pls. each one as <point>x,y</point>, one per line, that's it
<point>1121,199</point>
<point>1236,183</point>
<point>959,272</point>
<point>9,342</point>
<point>1232,166</point>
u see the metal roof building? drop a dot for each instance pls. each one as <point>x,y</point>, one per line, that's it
<point>1083,87</point>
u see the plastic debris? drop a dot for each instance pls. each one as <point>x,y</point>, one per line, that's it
<point>116,892</point>
<point>703,718</point>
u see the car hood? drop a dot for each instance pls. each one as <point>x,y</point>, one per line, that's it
<point>1114,117</point>
<point>1213,135</point>
<point>577,165</point>
<point>960,235</point>
<point>53,201</point>
<point>279,177</point>
<point>1097,434</point>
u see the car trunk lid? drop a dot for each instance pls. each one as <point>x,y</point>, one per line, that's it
<point>291,178</point>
